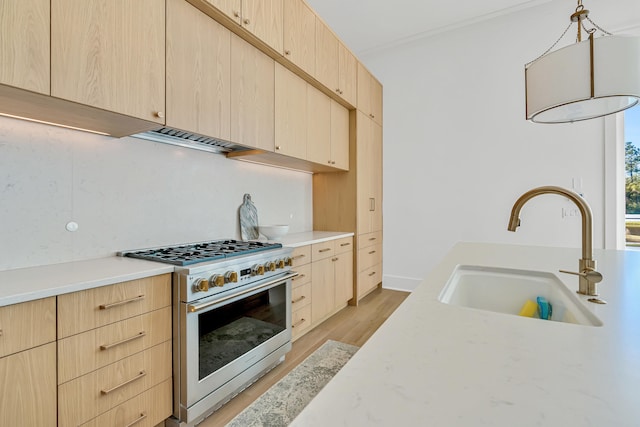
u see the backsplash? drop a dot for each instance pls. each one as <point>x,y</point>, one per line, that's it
<point>127,193</point>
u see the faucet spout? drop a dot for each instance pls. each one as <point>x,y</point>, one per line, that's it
<point>587,264</point>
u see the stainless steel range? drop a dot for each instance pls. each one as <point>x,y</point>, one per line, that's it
<point>231,319</point>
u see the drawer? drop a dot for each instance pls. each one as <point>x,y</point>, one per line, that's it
<point>145,410</point>
<point>322,250</point>
<point>369,256</point>
<point>90,395</point>
<point>83,353</point>
<point>84,310</point>
<point>301,255</point>
<point>369,279</point>
<point>301,320</point>
<point>303,277</point>
<point>27,325</point>
<point>369,239</point>
<point>300,296</point>
<point>343,245</point>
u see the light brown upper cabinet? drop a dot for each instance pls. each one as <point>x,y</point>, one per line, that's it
<point>252,96</point>
<point>327,57</point>
<point>24,44</point>
<point>347,72</point>
<point>318,126</point>
<point>110,54</point>
<point>263,18</point>
<point>198,72</point>
<point>290,114</point>
<point>300,35</point>
<point>369,95</point>
<point>339,136</point>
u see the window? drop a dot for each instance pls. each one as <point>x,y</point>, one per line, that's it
<point>632,177</point>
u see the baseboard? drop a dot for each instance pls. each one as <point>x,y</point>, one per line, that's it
<point>399,283</point>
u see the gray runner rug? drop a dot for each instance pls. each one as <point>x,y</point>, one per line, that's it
<point>278,406</point>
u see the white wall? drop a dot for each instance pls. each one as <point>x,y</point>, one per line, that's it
<point>125,194</point>
<point>458,151</point>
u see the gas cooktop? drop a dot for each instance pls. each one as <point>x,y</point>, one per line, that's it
<point>192,253</point>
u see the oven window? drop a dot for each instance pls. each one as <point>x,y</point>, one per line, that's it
<point>232,330</point>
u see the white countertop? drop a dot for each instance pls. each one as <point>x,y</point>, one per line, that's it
<point>26,284</point>
<point>442,365</point>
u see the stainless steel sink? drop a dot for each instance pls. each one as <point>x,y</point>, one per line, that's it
<point>505,290</point>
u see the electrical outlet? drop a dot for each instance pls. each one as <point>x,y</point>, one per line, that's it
<point>570,212</point>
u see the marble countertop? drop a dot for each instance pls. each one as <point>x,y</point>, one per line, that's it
<point>26,284</point>
<point>437,364</point>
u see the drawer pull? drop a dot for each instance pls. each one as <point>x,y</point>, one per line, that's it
<point>137,420</point>
<point>116,304</point>
<point>300,276</point>
<point>112,389</point>
<point>335,259</point>
<point>373,273</point>
<point>372,204</point>
<point>372,239</point>
<point>298,300</point>
<point>0,332</point>
<point>324,250</point>
<point>345,244</point>
<point>126,340</point>
<point>299,323</point>
<point>298,256</point>
<point>372,252</point>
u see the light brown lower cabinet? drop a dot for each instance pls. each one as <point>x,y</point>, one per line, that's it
<point>28,387</point>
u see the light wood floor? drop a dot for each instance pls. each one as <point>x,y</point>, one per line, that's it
<point>352,325</point>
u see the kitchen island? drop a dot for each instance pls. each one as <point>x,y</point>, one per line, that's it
<point>445,365</point>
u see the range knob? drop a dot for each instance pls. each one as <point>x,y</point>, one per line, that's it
<point>288,261</point>
<point>257,270</point>
<point>280,263</point>
<point>200,285</point>
<point>216,280</point>
<point>270,266</point>
<point>230,277</point>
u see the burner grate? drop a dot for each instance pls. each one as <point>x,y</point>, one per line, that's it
<point>193,253</point>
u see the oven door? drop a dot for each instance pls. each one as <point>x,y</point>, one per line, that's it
<point>222,336</point>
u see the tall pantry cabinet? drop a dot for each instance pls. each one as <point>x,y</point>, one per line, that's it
<point>352,201</point>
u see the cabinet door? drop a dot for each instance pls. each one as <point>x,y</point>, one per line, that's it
<point>326,56</point>
<point>343,269</point>
<point>339,136</point>
<point>28,388</point>
<point>252,96</point>
<point>231,8</point>
<point>290,114</point>
<point>364,90</point>
<point>198,72</point>
<point>264,19</point>
<point>366,168</point>
<point>376,176</point>
<point>376,101</point>
<point>300,35</point>
<point>322,289</point>
<point>319,126</point>
<point>24,44</point>
<point>347,71</point>
<point>110,54</point>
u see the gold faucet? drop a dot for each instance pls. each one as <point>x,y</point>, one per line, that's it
<point>588,276</point>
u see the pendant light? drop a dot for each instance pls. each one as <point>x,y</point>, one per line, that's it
<point>585,80</point>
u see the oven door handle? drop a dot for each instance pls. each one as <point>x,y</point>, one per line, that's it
<point>193,308</point>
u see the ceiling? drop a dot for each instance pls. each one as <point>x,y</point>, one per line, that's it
<point>368,25</point>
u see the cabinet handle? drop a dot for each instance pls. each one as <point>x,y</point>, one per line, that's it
<point>372,252</point>
<point>299,323</point>
<point>372,116</point>
<point>287,52</point>
<point>335,259</point>
<point>112,389</point>
<point>158,114</point>
<point>372,238</point>
<point>300,276</point>
<point>236,14</point>
<point>298,300</point>
<point>324,250</point>
<point>278,147</point>
<point>116,304</point>
<point>246,21</point>
<point>0,332</point>
<point>298,256</point>
<point>126,340</point>
<point>372,204</point>
<point>372,273</point>
<point>345,244</point>
<point>137,420</point>
<point>337,90</point>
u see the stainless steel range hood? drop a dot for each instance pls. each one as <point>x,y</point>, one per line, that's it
<point>192,140</point>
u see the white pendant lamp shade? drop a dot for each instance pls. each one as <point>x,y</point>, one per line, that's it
<point>567,85</point>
